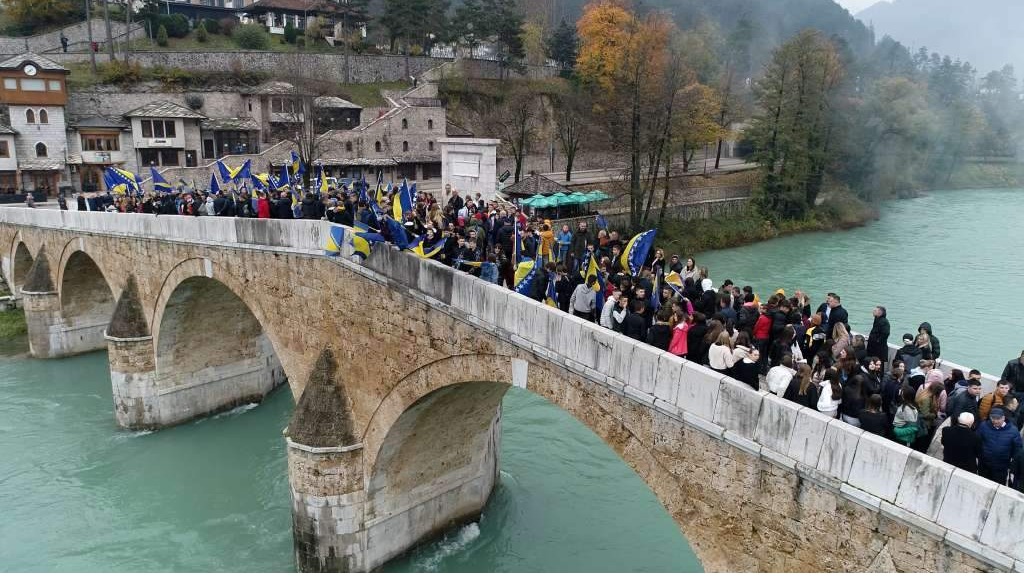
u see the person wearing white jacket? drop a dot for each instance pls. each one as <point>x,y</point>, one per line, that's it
<point>831,393</point>
<point>720,353</point>
<point>780,376</point>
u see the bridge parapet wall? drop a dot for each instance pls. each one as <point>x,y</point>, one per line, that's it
<point>779,482</point>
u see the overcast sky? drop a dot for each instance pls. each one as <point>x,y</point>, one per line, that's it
<point>855,6</point>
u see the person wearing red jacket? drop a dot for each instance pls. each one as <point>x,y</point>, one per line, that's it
<point>762,331</point>
<point>263,207</point>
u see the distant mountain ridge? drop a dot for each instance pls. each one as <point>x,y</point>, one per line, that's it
<point>987,33</point>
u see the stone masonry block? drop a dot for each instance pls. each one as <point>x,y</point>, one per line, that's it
<point>878,466</point>
<point>621,358</point>
<point>464,290</point>
<point>776,423</point>
<point>923,485</point>
<point>569,336</point>
<point>491,306</point>
<point>966,503</point>
<point>435,280</point>
<point>643,368</point>
<point>1005,520</point>
<point>698,390</point>
<point>738,407</point>
<point>808,436</point>
<point>517,306</point>
<point>666,380</point>
<point>838,449</point>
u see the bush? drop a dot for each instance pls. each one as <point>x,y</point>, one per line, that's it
<point>201,35</point>
<point>176,25</point>
<point>212,26</point>
<point>290,33</point>
<point>118,72</point>
<point>161,35</point>
<point>252,37</point>
<point>172,76</point>
<point>300,42</point>
<point>228,25</point>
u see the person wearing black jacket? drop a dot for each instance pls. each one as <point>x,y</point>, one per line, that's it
<point>961,445</point>
<point>660,334</point>
<point>873,419</point>
<point>832,313</point>
<point>634,324</point>
<point>878,338</point>
<point>564,287</point>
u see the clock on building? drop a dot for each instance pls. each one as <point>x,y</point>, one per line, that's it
<point>30,70</point>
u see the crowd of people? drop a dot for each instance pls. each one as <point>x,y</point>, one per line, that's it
<point>805,354</point>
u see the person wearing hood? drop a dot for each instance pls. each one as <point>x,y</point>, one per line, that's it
<point>909,352</point>
<point>933,340</point>
<point>878,338</point>
<point>1000,441</point>
<point>708,298</point>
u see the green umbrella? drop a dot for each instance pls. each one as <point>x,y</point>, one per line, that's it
<point>532,200</point>
<point>560,199</point>
<point>597,196</point>
<point>543,202</point>
<point>579,197</point>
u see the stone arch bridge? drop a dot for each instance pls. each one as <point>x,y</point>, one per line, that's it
<point>399,366</point>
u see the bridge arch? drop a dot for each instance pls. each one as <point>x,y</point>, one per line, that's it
<point>431,449</point>
<point>86,298</point>
<point>211,351</point>
<point>21,263</point>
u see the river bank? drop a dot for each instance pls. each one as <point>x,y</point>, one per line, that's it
<point>12,324</point>
<point>686,237</point>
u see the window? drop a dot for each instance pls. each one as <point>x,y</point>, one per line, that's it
<point>44,118</point>
<point>40,150</point>
<point>100,143</point>
<point>405,124</point>
<point>158,129</point>
<point>405,146</point>
<point>348,146</point>
<point>191,159</point>
<point>250,105</point>
<point>30,116</point>
<point>208,149</point>
<point>283,106</point>
<point>32,85</point>
<point>5,152</point>
<point>376,146</point>
<point>10,84</point>
<point>430,146</point>
<point>430,124</point>
<point>169,158</point>
<point>54,85</point>
<point>150,156</point>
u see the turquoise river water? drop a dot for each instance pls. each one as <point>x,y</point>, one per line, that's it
<point>76,494</point>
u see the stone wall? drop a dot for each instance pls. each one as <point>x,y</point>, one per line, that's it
<point>77,35</point>
<point>755,482</point>
<point>362,69</point>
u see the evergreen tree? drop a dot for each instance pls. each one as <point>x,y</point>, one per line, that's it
<point>412,22</point>
<point>161,35</point>
<point>561,46</point>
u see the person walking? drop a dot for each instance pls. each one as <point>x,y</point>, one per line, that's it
<point>584,299</point>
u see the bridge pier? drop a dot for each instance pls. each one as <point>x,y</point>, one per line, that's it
<point>356,506</point>
<point>133,380</point>
<point>50,335</point>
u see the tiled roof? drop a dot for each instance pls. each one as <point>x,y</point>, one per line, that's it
<point>164,109</point>
<point>417,158</point>
<point>535,184</point>
<point>358,162</point>
<point>240,124</point>
<point>41,62</point>
<point>39,164</point>
<point>96,121</point>
<point>5,129</point>
<point>271,87</point>
<point>335,102</point>
<point>293,5</point>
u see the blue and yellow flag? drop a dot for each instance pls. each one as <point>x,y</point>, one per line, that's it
<point>601,222</point>
<point>517,244</point>
<point>285,180</point>
<point>401,204</point>
<point>121,181</point>
<point>423,251</point>
<point>362,241</point>
<point>635,253</point>
<point>214,186</point>
<point>397,233</point>
<point>551,294</point>
<point>321,182</point>
<point>655,299</point>
<point>298,168</point>
<point>598,286</point>
<point>335,240</point>
<point>260,181</point>
<point>229,174</point>
<point>160,184</point>
<point>526,272</point>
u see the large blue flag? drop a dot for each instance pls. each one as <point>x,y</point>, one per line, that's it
<point>160,184</point>
<point>397,232</point>
<point>526,273</point>
<point>214,186</point>
<point>402,202</point>
<point>635,253</point>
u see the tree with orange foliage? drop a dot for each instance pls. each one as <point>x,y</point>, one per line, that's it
<point>635,74</point>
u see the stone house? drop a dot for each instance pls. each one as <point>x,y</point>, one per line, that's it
<point>33,147</point>
<point>165,134</point>
<point>95,143</point>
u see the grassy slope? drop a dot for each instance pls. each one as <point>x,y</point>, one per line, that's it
<point>12,323</point>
